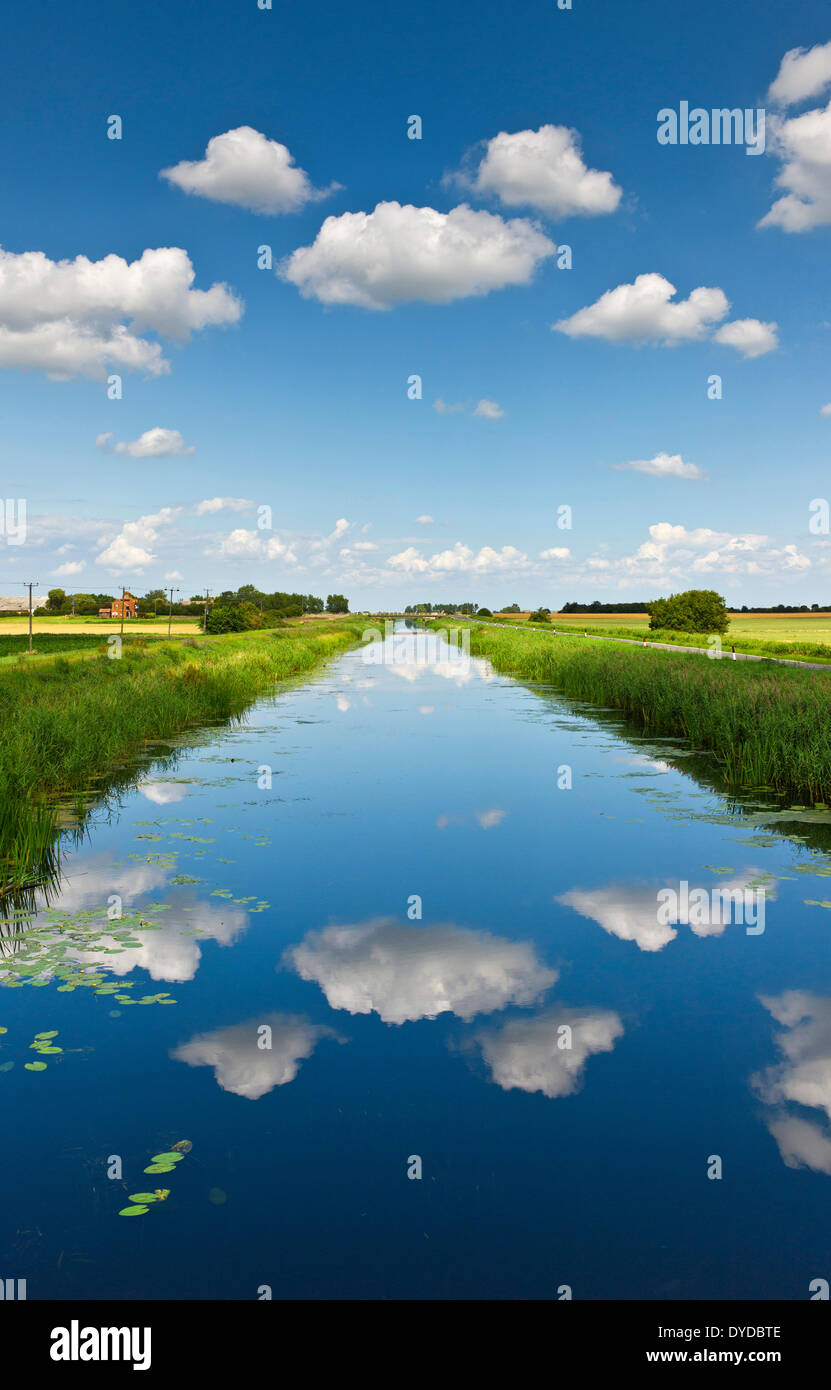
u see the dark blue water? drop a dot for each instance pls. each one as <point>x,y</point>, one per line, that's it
<point>429,781</point>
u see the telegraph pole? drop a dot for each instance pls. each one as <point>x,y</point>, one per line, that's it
<point>170,610</point>
<point>121,629</point>
<point>30,585</point>
<point>205,613</point>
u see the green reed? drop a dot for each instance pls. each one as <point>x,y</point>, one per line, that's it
<point>765,725</point>
<point>64,721</point>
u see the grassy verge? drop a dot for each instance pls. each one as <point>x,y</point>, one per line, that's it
<point>69,722</point>
<point>797,650</point>
<point>766,726</point>
<point>64,720</point>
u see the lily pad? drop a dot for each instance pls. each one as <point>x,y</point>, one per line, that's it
<point>143,1197</point>
<point>169,1157</point>
<point>134,1211</point>
<point>35,1066</point>
<point>44,1037</point>
<point>159,1168</point>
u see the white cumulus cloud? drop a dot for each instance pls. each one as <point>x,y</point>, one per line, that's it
<point>648,312</point>
<point>645,311</point>
<point>86,318</point>
<point>803,145</point>
<point>459,559</point>
<point>803,73</point>
<point>243,167</point>
<point>750,337</point>
<point>543,169</point>
<point>131,548</point>
<point>397,254</point>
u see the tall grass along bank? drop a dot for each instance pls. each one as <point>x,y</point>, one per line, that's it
<point>765,726</point>
<point>66,721</point>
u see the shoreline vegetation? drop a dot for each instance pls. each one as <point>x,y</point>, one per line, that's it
<point>71,722</point>
<point>766,727</point>
<point>746,646</point>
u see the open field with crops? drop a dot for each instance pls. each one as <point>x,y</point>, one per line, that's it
<point>69,627</point>
<point>789,627</point>
<point>793,635</point>
<point>766,726</point>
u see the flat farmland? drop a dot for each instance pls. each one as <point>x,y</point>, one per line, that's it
<point>767,627</point>
<point>69,627</point>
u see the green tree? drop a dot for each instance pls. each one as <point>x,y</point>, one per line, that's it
<point>540,615</point>
<point>56,602</point>
<point>336,603</point>
<point>694,610</point>
<point>227,617</point>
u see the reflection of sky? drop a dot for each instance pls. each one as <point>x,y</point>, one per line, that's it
<point>631,913</point>
<point>802,1079</point>
<point>527,1054</point>
<point>242,1065</point>
<point>404,973</point>
<point>413,656</point>
<point>163,793</point>
<point>168,951</point>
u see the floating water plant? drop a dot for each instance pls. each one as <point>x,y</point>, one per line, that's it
<point>160,1163</point>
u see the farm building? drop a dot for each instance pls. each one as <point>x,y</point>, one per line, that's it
<point>14,605</point>
<point>130,603</point>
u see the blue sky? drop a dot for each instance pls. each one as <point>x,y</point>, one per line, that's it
<point>287,388</point>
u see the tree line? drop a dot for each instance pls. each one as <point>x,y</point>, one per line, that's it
<point>247,597</point>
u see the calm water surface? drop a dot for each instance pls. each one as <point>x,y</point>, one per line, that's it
<point>293,907</point>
